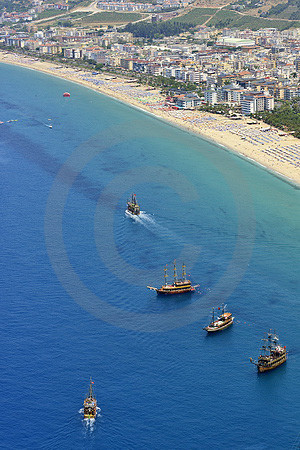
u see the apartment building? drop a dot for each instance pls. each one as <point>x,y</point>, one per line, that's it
<point>75,53</point>
<point>253,102</point>
<point>188,101</point>
<point>211,96</point>
<point>50,48</point>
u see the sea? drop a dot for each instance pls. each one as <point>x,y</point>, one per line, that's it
<point>75,270</point>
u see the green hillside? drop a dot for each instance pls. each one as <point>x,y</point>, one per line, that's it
<point>14,5</point>
<point>226,18</point>
<point>49,13</point>
<point>112,17</point>
<point>289,10</point>
<point>232,19</point>
<point>196,17</point>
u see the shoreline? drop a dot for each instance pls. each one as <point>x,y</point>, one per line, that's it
<point>237,137</point>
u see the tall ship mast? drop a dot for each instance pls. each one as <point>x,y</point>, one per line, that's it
<point>272,354</point>
<point>179,285</point>
<point>219,323</point>
<point>133,206</point>
<point>90,404</point>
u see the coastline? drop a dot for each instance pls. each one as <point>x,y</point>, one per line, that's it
<point>251,142</point>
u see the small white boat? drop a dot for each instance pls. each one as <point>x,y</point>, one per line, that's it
<point>221,322</point>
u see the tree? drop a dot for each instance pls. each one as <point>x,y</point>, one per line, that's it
<point>156,30</point>
<point>285,117</point>
<point>91,61</point>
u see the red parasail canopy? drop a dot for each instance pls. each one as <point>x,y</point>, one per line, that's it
<point>66,94</point>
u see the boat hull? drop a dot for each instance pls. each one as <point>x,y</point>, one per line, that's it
<point>174,291</point>
<point>272,365</point>
<point>137,213</point>
<point>222,327</point>
<point>90,416</point>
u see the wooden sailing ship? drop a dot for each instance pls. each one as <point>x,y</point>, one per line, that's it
<point>272,354</point>
<point>219,323</point>
<point>132,206</point>
<point>179,286</point>
<point>90,404</point>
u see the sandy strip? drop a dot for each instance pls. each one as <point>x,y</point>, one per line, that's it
<point>279,154</point>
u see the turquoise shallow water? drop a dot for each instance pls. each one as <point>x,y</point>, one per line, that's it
<point>74,271</point>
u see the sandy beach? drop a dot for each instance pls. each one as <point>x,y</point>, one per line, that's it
<point>257,142</point>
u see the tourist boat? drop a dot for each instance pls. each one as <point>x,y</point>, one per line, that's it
<point>66,94</point>
<point>132,206</point>
<point>90,404</point>
<point>271,353</point>
<point>179,286</point>
<point>220,322</point>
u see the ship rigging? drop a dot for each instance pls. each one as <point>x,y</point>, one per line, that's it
<point>179,286</point>
<point>272,354</point>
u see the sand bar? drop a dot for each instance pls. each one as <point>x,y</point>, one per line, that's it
<point>257,142</point>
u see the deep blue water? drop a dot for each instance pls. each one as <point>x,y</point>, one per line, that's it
<point>74,271</point>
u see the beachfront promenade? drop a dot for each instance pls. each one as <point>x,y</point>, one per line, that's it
<point>262,144</point>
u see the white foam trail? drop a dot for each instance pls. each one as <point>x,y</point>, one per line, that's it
<point>149,222</point>
<point>89,423</point>
<point>144,216</point>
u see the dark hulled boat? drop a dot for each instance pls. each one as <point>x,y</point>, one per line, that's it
<point>179,286</point>
<point>132,206</point>
<point>220,322</point>
<point>271,354</point>
<point>90,404</point>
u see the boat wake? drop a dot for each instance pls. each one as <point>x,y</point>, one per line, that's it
<point>143,218</point>
<point>147,217</point>
<point>89,423</point>
<point>149,222</point>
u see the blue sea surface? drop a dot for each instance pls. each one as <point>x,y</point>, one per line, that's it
<point>75,270</point>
